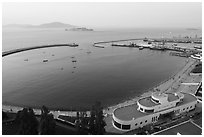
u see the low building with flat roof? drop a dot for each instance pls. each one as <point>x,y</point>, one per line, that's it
<point>149,109</point>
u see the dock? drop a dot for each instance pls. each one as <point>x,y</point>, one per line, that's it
<point>159,44</point>
<point>180,54</point>
<point>166,40</point>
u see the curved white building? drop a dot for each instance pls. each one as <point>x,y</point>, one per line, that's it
<point>197,56</point>
<point>147,110</point>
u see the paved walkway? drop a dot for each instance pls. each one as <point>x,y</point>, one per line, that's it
<point>184,128</point>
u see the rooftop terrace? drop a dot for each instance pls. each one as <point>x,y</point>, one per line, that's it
<point>130,112</point>
<point>147,101</point>
<point>172,97</point>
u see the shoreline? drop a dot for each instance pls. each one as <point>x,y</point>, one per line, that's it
<point>109,109</point>
<point>163,86</point>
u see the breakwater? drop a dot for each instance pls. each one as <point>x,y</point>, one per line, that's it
<point>103,42</point>
<point>5,53</point>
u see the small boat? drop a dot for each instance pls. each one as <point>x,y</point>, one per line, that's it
<point>73,45</point>
<point>157,48</point>
<point>119,45</point>
<point>74,60</point>
<point>25,59</point>
<point>145,39</point>
<point>141,48</point>
<point>45,60</point>
<point>197,47</point>
<point>98,46</point>
<point>196,56</point>
<point>174,45</point>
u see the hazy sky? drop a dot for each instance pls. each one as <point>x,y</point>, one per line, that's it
<point>105,14</point>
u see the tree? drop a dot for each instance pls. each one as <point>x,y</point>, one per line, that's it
<point>28,124</point>
<point>47,122</point>
<point>77,123</point>
<point>81,123</point>
<point>97,123</point>
<point>4,115</point>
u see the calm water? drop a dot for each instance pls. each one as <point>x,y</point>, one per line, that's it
<point>109,75</point>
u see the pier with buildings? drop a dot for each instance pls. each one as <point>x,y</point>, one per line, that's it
<point>163,44</point>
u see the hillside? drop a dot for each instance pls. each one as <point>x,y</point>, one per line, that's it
<point>46,25</point>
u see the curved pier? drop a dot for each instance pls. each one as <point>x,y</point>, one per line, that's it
<point>101,42</point>
<point>5,53</point>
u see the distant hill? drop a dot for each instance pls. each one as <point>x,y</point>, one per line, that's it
<point>56,25</point>
<point>46,25</point>
<point>67,27</point>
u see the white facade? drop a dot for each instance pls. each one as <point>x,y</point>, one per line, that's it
<point>162,101</point>
<point>165,108</point>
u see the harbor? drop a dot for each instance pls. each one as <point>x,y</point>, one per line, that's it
<point>162,44</point>
<point>171,85</point>
<point>116,68</point>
